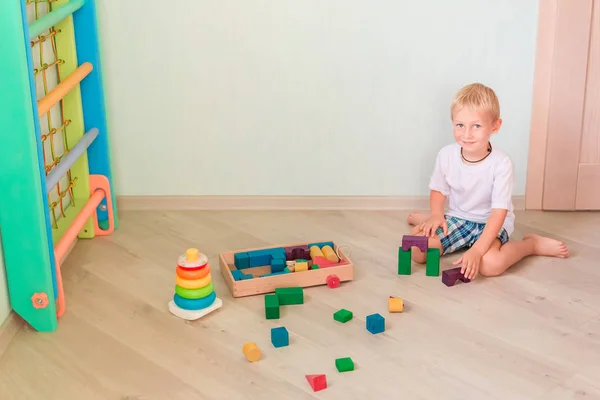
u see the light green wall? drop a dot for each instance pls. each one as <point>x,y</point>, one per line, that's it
<point>348,97</point>
<point>4,303</point>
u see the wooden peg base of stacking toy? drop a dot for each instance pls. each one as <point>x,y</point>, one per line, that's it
<point>252,352</point>
<point>191,315</point>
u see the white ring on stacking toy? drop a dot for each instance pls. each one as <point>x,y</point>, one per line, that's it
<point>184,263</point>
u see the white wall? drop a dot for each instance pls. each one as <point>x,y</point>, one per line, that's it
<point>288,97</point>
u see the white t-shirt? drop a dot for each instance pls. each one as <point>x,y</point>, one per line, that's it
<point>473,190</point>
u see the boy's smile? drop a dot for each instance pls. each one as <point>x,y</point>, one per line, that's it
<point>472,131</point>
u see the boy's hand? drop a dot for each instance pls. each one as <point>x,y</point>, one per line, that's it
<point>470,261</point>
<point>430,226</point>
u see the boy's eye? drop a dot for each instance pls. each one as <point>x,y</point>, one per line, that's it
<point>477,126</point>
<point>459,125</point>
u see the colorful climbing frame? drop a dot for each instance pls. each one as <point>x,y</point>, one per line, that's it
<point>55,163</point>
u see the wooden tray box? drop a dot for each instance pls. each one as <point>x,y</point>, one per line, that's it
<point>259,285</point>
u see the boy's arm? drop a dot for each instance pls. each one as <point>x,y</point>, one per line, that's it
<point>501,201</point>
<point>439,189</point>
<point>491,230</point>
<point>437,201</point>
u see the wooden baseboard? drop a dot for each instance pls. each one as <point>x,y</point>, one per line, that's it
<point>8,330</point>
<point>280,202</point>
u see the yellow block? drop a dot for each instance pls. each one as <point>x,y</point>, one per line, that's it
<point>330,254</point>
<point>395,304</point>
<point>315,251</point>
<point>301,265</point>
<point>251,351</point>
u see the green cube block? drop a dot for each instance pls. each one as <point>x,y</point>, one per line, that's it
<point>404,261</point>
<point>433,262</point>
<point>342,315</point>
<point>271,306</point>
<point>291,295</point>
<point>344,364</point>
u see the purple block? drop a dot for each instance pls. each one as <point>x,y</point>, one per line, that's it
<point>450,276</point>
<point>297,252</point>
<point>422,242</point>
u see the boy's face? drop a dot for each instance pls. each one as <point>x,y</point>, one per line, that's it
<point>473,128</point>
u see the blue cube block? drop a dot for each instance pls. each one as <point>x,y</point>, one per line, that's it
<point>241,260</point>
<point>237,274</point>
<point>247,276</point>
<point>278,252</point>
<point>375,323</point>
<point>277,264</point>
<point>280,337</point>
<point>259,258</point>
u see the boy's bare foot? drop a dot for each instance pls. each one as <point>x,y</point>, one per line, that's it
<point>417,218</point>
<point>544,246</point>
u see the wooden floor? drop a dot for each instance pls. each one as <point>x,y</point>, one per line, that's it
<point>533,333</point>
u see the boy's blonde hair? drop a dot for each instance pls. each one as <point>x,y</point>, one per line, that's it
<point>476,96</point>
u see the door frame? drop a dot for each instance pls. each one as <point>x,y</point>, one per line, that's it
<point>559,90</point>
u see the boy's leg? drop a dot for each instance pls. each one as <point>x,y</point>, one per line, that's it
<point>501,257</point>
<point>416,218</point>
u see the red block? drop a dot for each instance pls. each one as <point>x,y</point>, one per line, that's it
<point>317,382</point>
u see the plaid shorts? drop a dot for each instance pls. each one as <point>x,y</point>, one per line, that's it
<point>463,233</point>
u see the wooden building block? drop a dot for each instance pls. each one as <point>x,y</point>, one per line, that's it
<point>301,265</point>
<point>404,261</point>
<point>421,242</point>
<point>260,257</point>
<point>251,351</point>
<point>277,264</point>
<point>317,382</point>
<point>344,364</point>
<point>432,267</point>
<point>450,276</point>
<point>315,251</point>
<point>330,254</point>
<point>280,337</point>
<point>375,323</point>
<point>241,260</point>
<point>271,306</point>
<point>290,295</point>
<point>296,252</point>
<point>395,304</point>
<point>342,315</point>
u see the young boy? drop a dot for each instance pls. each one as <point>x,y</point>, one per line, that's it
<point>477,179</point>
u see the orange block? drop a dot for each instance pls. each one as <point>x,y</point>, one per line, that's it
<point>395,304</point>
<point>252,352</point>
